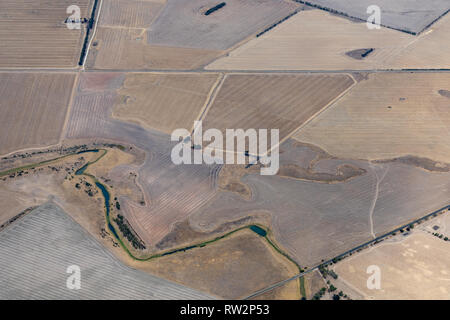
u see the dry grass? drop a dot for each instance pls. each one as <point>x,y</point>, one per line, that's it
<point>315,40</point>
<point>33,33</point>
<point>123,48</point>
<point>34,107</point>
<point>414,268</point>
<point>129,13</point>
<point>387,116</point>
<point>231,268</point>
<point>163,101</point>
<point>281,102</point>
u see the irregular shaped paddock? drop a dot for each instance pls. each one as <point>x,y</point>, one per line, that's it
<point>37,250</point>
<point>231,268</point>
<point>315,220</point>
<point>387,116</point>
<point>34,107</point>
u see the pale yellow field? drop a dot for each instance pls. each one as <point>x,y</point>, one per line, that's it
<point>124,48</point>
<point>429,51</point>
<point>417,267</point>
<point>163,102</point>
<point>33,107</point>
<point>33,33</point>
<point>316,40</point>
<point>274,101</point>
<point>387,116</point>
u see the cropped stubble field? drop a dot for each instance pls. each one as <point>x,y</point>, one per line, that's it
<point>34,106</point>
<point>184,24</point>
<point>281,102</point>
<point>36,251</point>
<point>164,102</point>
<point>33,33</point>
<point>317,40</point>
<point>416,267</point>
<point>387,116</point>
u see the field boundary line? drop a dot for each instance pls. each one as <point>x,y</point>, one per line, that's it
<point>211,98</point>
<point>324,108</point>
<point>69,108</point>
<point>93,33</point>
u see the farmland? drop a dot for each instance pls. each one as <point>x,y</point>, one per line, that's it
<point>34,106</point>
<point>407,116</point>
<point>306,42</point>
<point>154,100</point>
<point>184,24</point>
<point>223,268</point>
<point>330,217</point>
<point>33,33</point>
<point>127,48</point>
<point>281,102</point>
<point>415,267</point>
<point>412,16</point>
<point>88,177</point>
<point>28,248</point>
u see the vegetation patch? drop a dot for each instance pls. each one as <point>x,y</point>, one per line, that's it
<point>215,8</point>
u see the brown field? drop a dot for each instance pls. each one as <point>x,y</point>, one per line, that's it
<point>129,13</point>
<point>126,48</point>
<point>416,267</point>
<point>307,42</point>
<point>316,40</point>
<point>230,268</point>
<point>387,116</point>
<point>33,33</point>
<point>283,102</point>
<point>163,101</point>
<point>288,291</point>
<point>429,50</point>
<point>34,106</point>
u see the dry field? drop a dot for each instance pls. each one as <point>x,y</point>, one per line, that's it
<point>121,42</point>
<point>387,116</point>
<point>231,268</point>
<point>406,15</point>
<point>429,50</point>
<point>37,250</point>
<point>163,102</point>
<point>416,267</point>
<point>34,106</point>
<point>283,102</point>
<point>127,48</point>
<point>33,33</point>
<point>331,217</point>
<point>315,40</point>
<point>184,24</point>
<point>129,13</point>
